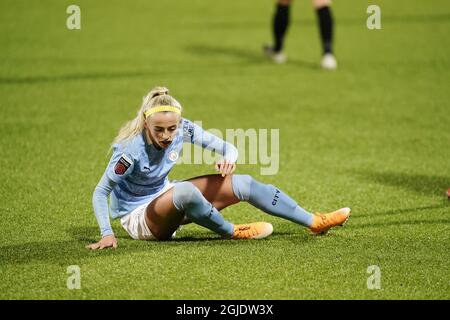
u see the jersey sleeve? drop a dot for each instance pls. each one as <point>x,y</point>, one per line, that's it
<point>120,165</point>
<point>100,204</point>
<point>195,134</point>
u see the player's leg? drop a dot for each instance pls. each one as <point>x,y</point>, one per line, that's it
<point>326,26</point>
<point>280,25</point>
<point>216,189</point>
<point>164,214</point>
<point>219,192</point>
<point>161,216</point>
<point>223,192</point>
<point>272,200</point>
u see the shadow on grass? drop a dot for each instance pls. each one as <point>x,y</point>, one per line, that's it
<point>418,183</point>
<point>387,20</point>
<point>253,56</point>
<point>73,251</point>
<point>304,64</point>
<point>412,222</point>
<point>429,185</point>
<point>242,55</point>
<point>390,212</point>
<point>75,77</point>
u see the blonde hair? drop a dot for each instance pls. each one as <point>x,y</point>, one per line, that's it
<point>158,96</point>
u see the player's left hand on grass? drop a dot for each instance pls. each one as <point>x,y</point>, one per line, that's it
<point>225,167</point>
<point>105,242</point>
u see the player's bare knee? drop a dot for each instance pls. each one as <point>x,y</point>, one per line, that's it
<point>284,2</point>
<point>321,3</point>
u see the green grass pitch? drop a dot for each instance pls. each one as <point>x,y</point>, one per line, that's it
<point>374,135</point>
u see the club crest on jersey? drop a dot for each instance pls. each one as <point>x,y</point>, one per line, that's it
<point>122,165</point>
<point>173,155</point>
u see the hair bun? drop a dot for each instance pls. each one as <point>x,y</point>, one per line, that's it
<point>158,91</point>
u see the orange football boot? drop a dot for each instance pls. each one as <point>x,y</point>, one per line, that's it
<point>255,230</point>
<point>322,222</point>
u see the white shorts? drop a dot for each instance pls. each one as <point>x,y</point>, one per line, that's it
<point>134,222</point>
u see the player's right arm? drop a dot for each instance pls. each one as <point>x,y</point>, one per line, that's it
<point>120,166</point>
<point>100,204</point>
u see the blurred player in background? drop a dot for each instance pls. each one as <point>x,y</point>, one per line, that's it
<point>281,23</point>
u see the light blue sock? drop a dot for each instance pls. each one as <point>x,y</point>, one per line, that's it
<point>188,199</point>
<point>270,199</point>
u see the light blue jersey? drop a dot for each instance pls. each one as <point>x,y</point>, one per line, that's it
<point>137,171</point>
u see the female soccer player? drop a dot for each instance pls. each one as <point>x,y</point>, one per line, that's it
<point>281,23</point>
<point>151,207</point>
